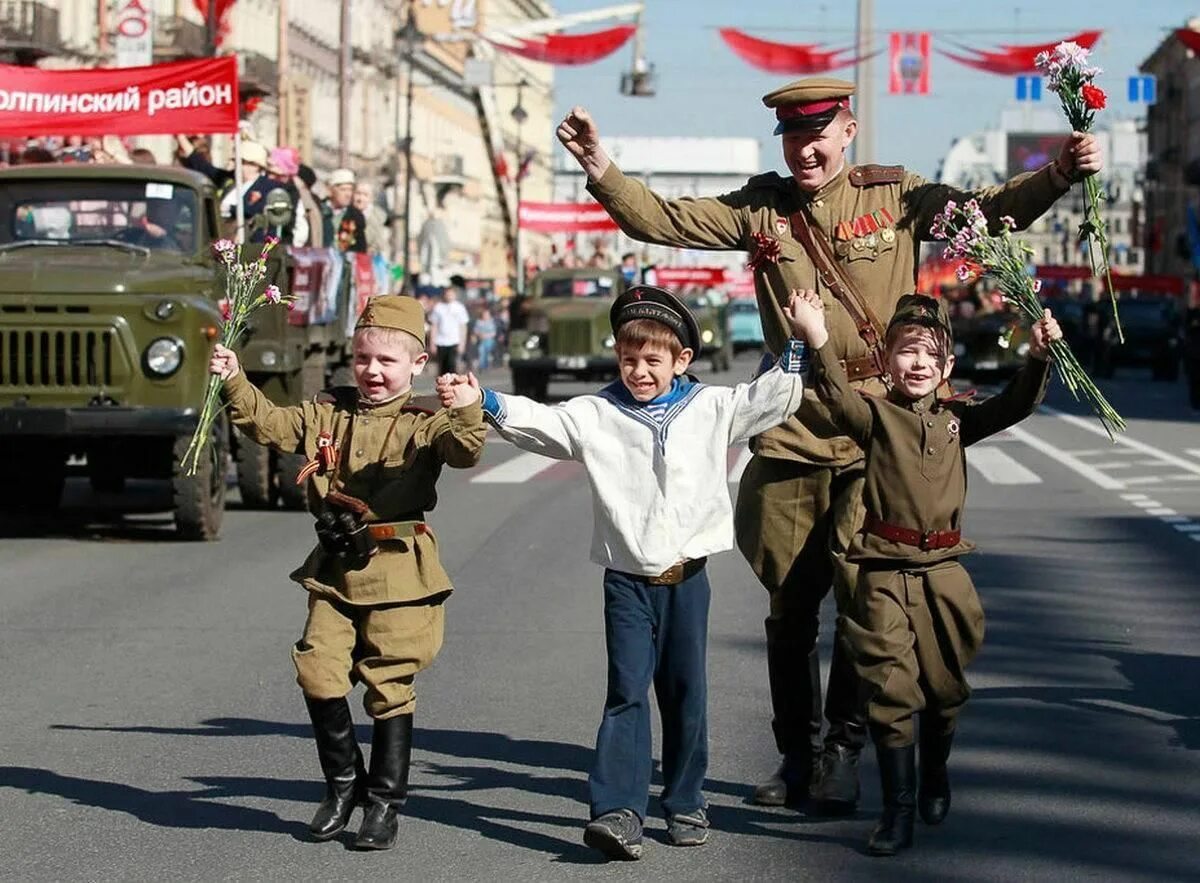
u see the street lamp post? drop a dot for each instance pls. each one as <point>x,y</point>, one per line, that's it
<point>409,35</point>
<point>519,114</point>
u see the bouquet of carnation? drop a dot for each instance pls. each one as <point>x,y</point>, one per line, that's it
<point>1071,76</point>
<point>1005,258</point>
<point>242,299</point>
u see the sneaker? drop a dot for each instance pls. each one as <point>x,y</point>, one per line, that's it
<point>688,829</point>
<point>617,834</point>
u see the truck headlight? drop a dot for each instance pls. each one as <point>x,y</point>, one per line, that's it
<point>533,342</point>
<point>706,336</point>
<point>610,342</point>
<point>163,356</point>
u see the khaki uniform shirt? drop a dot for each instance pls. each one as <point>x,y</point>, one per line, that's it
<point>390,457</point>
<point>916,470</point>
<point>882,266</point>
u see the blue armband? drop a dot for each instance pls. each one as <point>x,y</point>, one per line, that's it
<point>795,357</point>
<point>493,407</point>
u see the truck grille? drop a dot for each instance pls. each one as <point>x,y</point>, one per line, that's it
<point>60,358</point>
<point>571,337</point>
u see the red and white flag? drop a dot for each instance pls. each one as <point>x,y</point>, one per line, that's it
<point>909,63</point>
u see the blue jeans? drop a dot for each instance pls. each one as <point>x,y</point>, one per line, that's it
<point>483,353</point>
<point>655,635</point>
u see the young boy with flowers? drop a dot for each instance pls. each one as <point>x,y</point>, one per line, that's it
<point>915,621</point>
<point>654,444</point>
<point>375,584</point>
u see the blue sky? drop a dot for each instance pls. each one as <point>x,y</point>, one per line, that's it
<point>704,89</point>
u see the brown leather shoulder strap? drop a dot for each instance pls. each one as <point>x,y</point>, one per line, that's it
<point>870,329</point>
<point>869,175</point>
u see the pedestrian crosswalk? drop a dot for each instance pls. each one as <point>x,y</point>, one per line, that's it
<point>991,462</point>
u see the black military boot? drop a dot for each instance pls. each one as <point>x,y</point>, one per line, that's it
<point>387,782</point>
<point>898,774</point>
<point>835,789</point>
<point>933,799</point>
<point>795,679</point>
<point>341,762</point>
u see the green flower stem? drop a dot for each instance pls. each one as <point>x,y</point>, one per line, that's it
<point>1098,245</point>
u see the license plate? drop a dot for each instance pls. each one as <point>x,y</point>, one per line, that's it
<point>572,363</point>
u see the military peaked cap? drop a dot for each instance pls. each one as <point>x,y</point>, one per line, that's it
<point>809,105</point>
<point>658,304</point>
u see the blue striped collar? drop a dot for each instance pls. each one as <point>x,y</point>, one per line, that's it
<point>652,413</point>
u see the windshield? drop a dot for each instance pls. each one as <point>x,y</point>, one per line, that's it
<point>150,214</point>
<point>575,286</point>
<point>744,306</point>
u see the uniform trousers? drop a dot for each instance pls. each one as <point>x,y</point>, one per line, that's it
<point>794,522</point>
<point>383,647</point>
<point>912,634</point>
<point>655,635</point>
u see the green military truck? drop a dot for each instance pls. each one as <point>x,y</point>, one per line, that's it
<point>109,296</point>
<point>562,329</point>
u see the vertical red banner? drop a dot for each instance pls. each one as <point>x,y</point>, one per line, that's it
<point>909,67</point>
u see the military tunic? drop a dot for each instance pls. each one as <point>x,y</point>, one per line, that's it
<point>915,621</point>
<point>798,502</point>
<point>381,624</point>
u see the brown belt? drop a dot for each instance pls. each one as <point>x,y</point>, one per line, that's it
<point>677,573</point>
<point>396,530</point>
<point>927,541</point>
<point>861,368</point>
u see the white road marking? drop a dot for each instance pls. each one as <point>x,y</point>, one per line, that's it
<point>1159,479</point>
<point>1147,504</point>
<point>1134,497</point>
<point>1194,452</point>
<point>1095,476</point>
<point>1160,512</point>
<point>518,470</point>
<point>1090,425</point>
<point>1149,713</point>
<point>1190,527</point>
<point>1175,519</point>
<point>998,467</point>
<point>739,466</point>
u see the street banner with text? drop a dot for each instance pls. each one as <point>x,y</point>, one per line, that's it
<point>158,99</point>
<point>564,217</point>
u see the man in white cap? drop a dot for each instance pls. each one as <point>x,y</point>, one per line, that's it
<point>255,183</point>
<point>347,226</point>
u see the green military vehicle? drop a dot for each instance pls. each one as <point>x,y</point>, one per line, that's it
<point>712,315</point>
<point>561,329</point>
<point>109,308</point>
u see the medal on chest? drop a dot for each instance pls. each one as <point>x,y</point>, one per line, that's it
<point>324,462</point>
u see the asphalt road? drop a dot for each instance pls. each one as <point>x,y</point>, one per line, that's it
<point>151,727</point>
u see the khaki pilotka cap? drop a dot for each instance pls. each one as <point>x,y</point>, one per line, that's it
<point>921,309</point>
<point>809,105</point>
<point>397,311</point>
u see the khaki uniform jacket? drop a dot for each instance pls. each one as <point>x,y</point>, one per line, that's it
<point>390,457</point>
<point>916,470</point>
<point>882,266</point>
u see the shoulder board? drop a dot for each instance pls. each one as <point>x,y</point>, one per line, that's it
<point>339,396</point>
<point>869,175</point>
<point>423,405</point>
<point>964,396</point>
<point>767,180</point>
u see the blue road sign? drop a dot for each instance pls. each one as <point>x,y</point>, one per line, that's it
<point>1143,89</point>
<point>1029,88</point>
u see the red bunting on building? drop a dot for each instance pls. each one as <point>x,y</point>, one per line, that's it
<point>908,63</point>
<point>568,49</point>
<point>564,217</point>
<point>677,277</point>
<point>1012,61</point>
<point>159,99</point>
<point>1189,38</point>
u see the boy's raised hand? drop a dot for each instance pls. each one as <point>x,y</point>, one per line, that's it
<point>458,390</point>
<point>1045,331</point>
<point>806,316</point>
<point>224,362</point>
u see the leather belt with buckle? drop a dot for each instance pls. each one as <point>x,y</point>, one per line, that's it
<point>861,368</point>
<point>925,541</point>
<point>396,530</point>
<point>677,573</point>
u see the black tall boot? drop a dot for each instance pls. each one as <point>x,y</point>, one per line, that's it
<point>341,763</point>
<point>387,782</point>
<point>898,774</point>
<point>836,791</point>
<point>794,675</point>
<point>933,800</point>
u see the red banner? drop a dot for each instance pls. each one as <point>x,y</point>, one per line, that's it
<point>564,217</point>
<point>909,63</point>
<point>159,99</point>
<point>1015,60</point>
<point>672,277</point>
<point>787,58</point>
<point>570,48</point>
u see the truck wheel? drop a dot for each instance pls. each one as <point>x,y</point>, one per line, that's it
<point>531,384</point>
<point>287,467</point>
<point>200,498</point>
<point>254,474</point>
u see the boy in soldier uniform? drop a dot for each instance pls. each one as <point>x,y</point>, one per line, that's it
<point>915,622</point>
<point>654,444</point>
<point>376,587</point>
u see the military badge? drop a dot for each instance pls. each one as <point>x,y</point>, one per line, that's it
<point>781,226</point>
<point>254,196</point>
<point>887,234</point>
<point>325,461</point>
<point>952,427</point>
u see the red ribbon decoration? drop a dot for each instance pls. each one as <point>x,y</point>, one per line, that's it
<point>1189,38</point>
<point>1009,60</point>
<point>571,48</point>
<point>766,251</point>
<point>786,58</point>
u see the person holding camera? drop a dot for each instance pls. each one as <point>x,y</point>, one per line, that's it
<point>375,584</point>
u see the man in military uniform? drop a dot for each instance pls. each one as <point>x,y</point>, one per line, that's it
<point>852,233</point>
